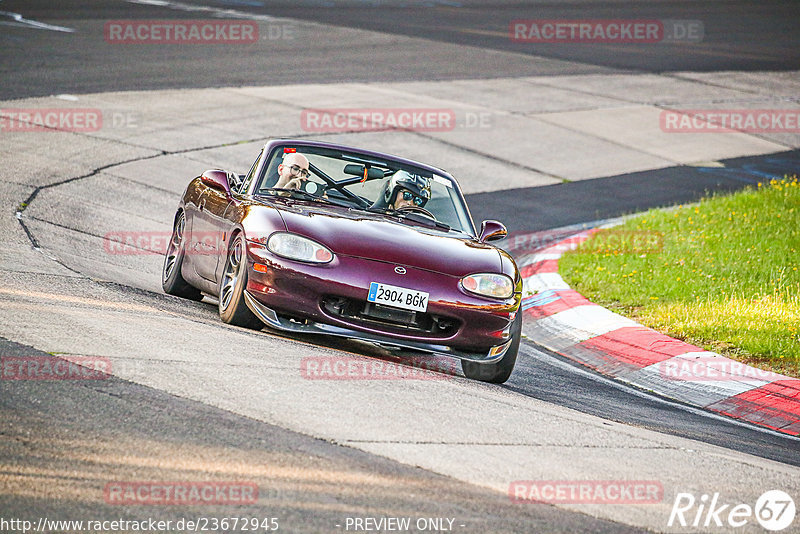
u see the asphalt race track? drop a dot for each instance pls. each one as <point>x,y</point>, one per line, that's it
<point>738,35</point>
<point>548,135</point>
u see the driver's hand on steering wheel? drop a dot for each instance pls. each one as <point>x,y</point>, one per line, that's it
<point>295,183</point>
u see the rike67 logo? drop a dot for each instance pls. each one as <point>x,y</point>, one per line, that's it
<point>774,510</point>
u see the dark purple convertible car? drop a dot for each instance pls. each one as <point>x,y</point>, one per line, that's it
<point>335,254</point>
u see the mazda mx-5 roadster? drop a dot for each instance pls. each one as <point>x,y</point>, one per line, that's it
<point>319,238</point>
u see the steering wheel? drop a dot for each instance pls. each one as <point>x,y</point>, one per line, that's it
<point>330,183</point>
<point>417,209</point>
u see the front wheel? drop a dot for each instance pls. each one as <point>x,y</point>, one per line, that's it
<point>232,308</point>
<point>171,279</point>
<point>498,372</point>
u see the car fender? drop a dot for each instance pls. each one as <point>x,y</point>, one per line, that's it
<point>255,220</point>
<point>509,267</point>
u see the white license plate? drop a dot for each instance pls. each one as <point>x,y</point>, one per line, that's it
<point>399,297</point>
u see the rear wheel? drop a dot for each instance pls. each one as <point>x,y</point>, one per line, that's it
<point>232,308</point>
<point>497,372</point>
<point>171,279</point>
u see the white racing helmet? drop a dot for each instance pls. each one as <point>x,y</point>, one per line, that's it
<point>418,185</point>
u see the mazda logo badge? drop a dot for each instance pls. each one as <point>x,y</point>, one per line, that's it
<point>400,270</point>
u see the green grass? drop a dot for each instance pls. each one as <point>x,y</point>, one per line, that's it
<point>726,278</point>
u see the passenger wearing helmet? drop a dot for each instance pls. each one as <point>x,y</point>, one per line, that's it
<point>405,189</point>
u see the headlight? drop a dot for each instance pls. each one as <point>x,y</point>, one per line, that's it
<point>489,285</point>
<point>296,247</point>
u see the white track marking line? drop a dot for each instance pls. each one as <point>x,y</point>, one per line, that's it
<point>19,20</point>
<point>216,11</point>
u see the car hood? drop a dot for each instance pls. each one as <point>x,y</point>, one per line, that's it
<point>375,236</point>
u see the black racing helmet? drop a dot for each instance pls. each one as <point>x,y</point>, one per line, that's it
<point>419,185</point>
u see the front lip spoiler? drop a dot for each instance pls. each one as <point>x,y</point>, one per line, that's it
<point>271,319</point>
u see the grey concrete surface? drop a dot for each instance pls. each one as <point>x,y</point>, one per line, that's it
<point>634,127</point>
<point>704,91</point>
<point>64,441</point>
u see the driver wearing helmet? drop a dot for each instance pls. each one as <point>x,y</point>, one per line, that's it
<point>405,189</point>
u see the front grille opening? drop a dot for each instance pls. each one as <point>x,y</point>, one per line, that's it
<point>369,313</point>
<point>389,314</point>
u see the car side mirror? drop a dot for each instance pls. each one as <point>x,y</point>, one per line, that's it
<point>216,180</point>
<point>492,231</point>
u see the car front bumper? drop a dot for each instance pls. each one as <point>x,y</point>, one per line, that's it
<point>290,296</point>
<point>273,320</point>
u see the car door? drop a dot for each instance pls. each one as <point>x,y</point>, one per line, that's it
<point>208,227</point>
<point>211,227</point>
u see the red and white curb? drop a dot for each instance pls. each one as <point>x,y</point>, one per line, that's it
<point>563,321</point>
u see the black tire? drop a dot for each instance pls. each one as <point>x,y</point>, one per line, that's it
<point>232,308</point>
<point>499,372</point>
<point>171,279</point>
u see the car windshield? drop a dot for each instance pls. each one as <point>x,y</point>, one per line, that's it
<point>361,181</point>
